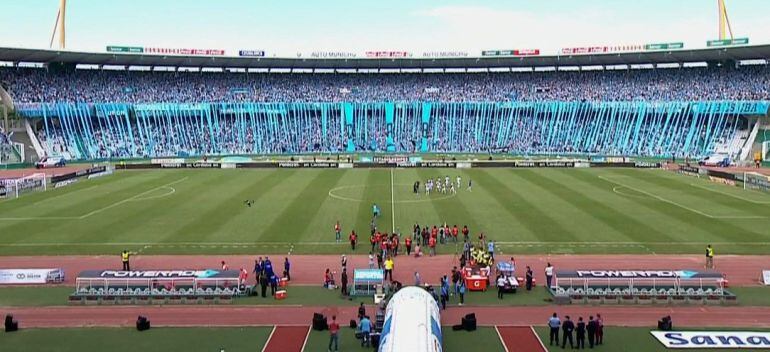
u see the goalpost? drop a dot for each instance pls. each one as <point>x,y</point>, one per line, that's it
<point>13,188</point>
<point>757,181</point>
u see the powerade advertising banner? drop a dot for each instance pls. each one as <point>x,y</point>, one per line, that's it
<point>30,276</point>
<point>637,274</point>
<point>159,274</point>
<point>713,339</point>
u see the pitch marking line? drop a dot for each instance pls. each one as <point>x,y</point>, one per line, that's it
<point>501,338</point>
<point>730,195</point>
<point>304,343</point>
<point>268,338</point>
<point>64,194</point>
<point>696,211</point>
<point>333,243</point>
<point>538,338</point>
<point>136,197</point>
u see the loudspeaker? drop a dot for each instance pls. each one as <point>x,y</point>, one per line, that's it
<point>468,322</point>
<point>319,322</point>
<point>142,323</point>
<point>10,324</point>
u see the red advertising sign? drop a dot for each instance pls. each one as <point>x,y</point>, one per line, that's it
<point>526,52</point>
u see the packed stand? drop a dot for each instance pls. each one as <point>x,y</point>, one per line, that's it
<point>99,86</point>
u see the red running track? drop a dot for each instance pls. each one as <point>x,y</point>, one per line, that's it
<point>287,339</point>
<point>741,270</point>
<point>520,339</point>
<point>693,316</point>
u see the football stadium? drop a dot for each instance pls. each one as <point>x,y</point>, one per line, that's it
<point>393,177</point>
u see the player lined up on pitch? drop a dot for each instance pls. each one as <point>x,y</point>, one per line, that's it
<point>437,185</point>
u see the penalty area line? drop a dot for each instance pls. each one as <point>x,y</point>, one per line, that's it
<point>696,211</point>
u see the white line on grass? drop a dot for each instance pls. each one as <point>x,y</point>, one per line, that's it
<point>730,195</point>
<point>333,243</point>
<point>538,338</point>
<point>696,211</point>
<point>268,339</point>
<point>304,343</point>
<point>64,194</point>
<point>501,338</point>
<point>135,197</point>
<point>392,205</point>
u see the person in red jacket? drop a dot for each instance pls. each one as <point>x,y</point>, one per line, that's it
<point>465,233</point>
<point>455,232</point>
<point>353,238</point>
<point>395,245</point>
<point>384,246</point>
<point>408,245</point>
<point>432,245</point>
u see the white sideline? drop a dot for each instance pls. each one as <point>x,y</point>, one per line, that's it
<point>696,211</point>
<point>334,243</point>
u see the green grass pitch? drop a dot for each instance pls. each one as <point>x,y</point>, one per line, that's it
<point>524,210</point>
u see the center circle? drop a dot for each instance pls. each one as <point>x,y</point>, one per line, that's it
<point>339,193</point>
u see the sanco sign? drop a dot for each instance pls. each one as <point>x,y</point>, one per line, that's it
<point>713,339</point>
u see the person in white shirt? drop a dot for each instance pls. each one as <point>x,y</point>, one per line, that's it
<point>548,275</point>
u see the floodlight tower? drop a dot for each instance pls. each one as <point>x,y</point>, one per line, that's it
<point>724,21</point>
<point>59,25</point>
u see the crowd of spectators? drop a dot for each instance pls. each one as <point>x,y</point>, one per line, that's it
<point>462,130</point>
<point>102,86</point>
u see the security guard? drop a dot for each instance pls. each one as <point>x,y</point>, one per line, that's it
<point>709,257</point>
<point>125,256</point>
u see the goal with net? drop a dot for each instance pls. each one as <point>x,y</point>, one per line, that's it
<point>13,188</point>
<point>757,181</point>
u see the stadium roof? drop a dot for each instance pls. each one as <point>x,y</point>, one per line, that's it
<point>649,57</point>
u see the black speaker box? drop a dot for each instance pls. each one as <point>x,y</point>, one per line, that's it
<point>469,322</point>
<point>319,322</point>
<point>142,323</point>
